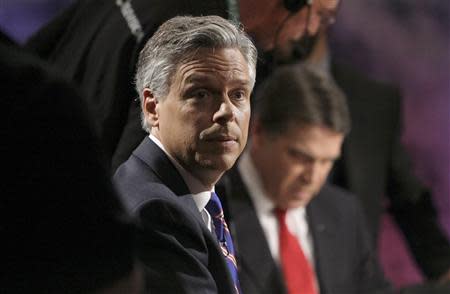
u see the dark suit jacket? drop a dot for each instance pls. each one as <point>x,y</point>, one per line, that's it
<point>179,252</point>
<point>374,164</point>
<point>344,260</point>
<point>92,43</point>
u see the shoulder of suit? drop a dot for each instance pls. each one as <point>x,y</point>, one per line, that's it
<point>335,195</point>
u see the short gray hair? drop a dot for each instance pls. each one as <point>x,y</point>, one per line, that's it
<point>178,39</point>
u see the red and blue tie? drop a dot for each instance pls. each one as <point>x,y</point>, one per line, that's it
<point>214,207</point>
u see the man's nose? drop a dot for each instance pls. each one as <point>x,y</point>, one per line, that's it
<point>322,15</point>
<point>225,111</point>
<point>309,173</point>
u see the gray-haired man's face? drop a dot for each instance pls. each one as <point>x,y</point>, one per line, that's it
<point>203,122</point>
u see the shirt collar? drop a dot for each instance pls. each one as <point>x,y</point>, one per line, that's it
<point>252,181</point>
<point>200,193</point>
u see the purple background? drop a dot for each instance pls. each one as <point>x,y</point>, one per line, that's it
<point>403,42</point>
<point>407,43</point>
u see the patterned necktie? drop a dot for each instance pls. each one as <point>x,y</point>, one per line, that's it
<point>298,274</point>
<point>214,207</point>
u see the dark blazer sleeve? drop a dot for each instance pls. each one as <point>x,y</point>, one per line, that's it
<point>413,210</point>
<point>346,261</point>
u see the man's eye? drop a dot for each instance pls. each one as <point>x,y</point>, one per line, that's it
<point>299,157</point>
<point>200,94</point>
<point>238,95</point>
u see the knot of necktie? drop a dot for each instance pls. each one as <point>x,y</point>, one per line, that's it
<point>281,214</point>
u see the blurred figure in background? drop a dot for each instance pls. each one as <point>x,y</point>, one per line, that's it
<point>63,229</point>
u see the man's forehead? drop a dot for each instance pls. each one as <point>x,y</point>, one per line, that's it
<point>214,56</point>
<point>203,65</point>
<point>204,78</point>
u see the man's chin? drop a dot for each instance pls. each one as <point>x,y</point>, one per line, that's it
<point>301,200</point>
<point>217,163</point>
<point>295,51</point>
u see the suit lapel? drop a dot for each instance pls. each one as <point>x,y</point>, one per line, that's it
<point>322,223</point>
<point>158,161</point>
<point>161,165</point>
<point>258,264</point>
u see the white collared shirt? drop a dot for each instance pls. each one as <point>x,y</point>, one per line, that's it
<point>296,219</point>
<point>200,194</point>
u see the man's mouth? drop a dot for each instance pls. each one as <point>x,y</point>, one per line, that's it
<point>221,138</point>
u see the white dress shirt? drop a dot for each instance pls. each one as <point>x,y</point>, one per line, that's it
<point>200,194</point>
<point>296,218</point>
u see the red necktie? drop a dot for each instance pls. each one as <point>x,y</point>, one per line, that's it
<point>298,274</point>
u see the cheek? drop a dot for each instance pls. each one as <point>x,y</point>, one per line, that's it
<point>322,176</point>
<point>243,116</point>
<point>287,174</point>
<point>243,122</point>
<point>292,176</point>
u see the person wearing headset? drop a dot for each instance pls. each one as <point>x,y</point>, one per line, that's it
<point>96,43</point>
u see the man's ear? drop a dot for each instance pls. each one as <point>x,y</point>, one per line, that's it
<point>149,107</point>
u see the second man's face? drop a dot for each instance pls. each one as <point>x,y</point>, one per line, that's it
<point>294,165</point>
<point>203,122</point>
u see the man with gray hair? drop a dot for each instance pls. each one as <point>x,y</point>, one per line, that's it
<point>194,78</point>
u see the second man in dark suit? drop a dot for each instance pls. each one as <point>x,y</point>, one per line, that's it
<point>294,232</point>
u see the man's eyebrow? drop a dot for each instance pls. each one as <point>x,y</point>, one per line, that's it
<point>310,156</point>
<point>198,77</point>
<point>298,151</point>
<point>204,78</point>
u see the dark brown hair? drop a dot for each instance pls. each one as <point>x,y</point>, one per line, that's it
<point>298,94</point>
